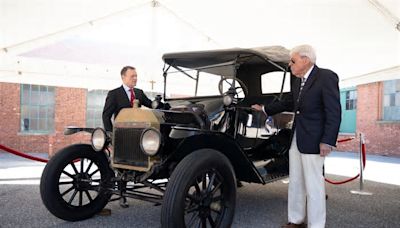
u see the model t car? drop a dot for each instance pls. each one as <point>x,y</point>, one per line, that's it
<point>190,151</point>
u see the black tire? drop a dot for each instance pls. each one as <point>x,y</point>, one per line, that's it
<point>201,192</point>
<point>70,187</point>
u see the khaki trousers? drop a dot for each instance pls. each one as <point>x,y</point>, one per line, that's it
<point>306,188</point>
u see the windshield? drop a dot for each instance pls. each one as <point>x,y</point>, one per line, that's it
<point>183,84</point>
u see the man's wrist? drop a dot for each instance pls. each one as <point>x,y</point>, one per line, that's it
<point>263,110</point>
<point>329,146</point>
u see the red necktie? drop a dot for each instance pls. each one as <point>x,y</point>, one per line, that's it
<point>132,96</point>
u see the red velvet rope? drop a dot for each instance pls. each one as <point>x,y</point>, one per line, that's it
<point>23,154</point>
<point>363,160</point>
<point>345,140</point>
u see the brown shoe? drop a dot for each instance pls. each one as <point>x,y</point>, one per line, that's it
<point>293,225</point>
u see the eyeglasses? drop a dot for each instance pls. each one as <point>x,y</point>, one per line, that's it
<point>294,62</point>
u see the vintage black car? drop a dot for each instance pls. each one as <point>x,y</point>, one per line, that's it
<point>188,153</point>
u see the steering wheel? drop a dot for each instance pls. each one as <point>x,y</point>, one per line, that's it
<point>241,90</point>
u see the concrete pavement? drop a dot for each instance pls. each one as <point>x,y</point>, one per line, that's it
<point>257,205</point>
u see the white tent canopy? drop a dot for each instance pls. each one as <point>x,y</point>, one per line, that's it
<point>85,43</point>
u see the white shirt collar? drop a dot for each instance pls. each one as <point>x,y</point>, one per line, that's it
<point>308,73</point>
<point>126,87</point>
<point>127,91</point>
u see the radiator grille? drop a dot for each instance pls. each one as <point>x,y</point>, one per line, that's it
<point>127,149</point>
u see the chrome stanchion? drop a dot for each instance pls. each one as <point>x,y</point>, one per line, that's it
<point>361,190</point>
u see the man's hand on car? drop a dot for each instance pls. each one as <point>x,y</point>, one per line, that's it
<point>257,107</point>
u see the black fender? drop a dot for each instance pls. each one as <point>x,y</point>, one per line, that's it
<point>72,130</point>
<point>244,168</point>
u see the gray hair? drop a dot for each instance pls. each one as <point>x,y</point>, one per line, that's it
<point>305,50</point>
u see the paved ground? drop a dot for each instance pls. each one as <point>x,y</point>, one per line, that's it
<point>257,205</point>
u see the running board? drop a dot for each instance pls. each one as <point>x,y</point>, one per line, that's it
<point>274,177</point>
<point>272,169</point>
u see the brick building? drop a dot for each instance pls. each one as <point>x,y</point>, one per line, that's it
<point>33,117</point>
<point>69,110</point>
<point>377,117</point>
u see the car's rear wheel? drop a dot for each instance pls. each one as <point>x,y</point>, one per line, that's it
<point>74,183</point>
<point>201,192</point>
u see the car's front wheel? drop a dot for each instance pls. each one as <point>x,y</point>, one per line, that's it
<point>74,183</point>
<point>201,192</point>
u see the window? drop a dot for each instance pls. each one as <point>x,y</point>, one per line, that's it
<point>208,84</point>
<point>391,100</point>
<point>37,108</point>
<point>181,86</point>
<point>94,107</point>
<point>351,100</point>
<point>272,82</point>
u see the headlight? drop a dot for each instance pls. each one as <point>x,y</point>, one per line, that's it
<point>228,100</point>
<point>99,139</point>
<point>150,141</point>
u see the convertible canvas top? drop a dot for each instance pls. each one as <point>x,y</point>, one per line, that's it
<point>204,59</point>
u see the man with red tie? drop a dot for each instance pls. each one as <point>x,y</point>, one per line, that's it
<point>123,96</point>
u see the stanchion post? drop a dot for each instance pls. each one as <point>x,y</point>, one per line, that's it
<point>361,162</point>
<point>361,190</point>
